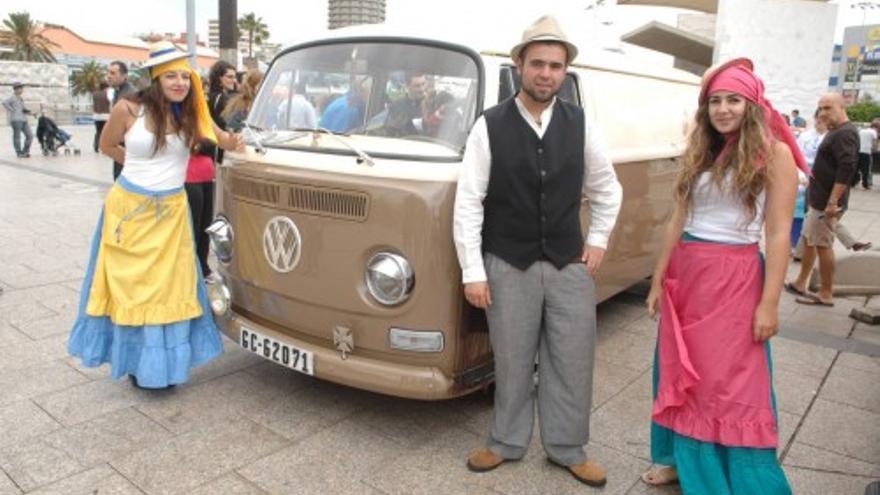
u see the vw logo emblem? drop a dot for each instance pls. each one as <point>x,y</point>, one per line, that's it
<point>282,244</point>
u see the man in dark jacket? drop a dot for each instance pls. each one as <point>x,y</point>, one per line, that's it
<point>827,197</point>
<point>117,76</point>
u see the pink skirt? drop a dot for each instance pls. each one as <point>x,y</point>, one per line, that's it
<point>714,378</point>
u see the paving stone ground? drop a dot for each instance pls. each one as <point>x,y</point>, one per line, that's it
<point>245,426</point>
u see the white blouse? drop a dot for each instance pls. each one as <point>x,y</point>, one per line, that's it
<point>717,214</point>
<point>164,170</point>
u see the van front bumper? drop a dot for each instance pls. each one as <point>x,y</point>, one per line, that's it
<point>401,380</point>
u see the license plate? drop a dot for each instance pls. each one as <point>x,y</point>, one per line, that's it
<point>279,352</point>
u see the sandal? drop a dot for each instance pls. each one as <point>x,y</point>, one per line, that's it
<point>813,300</point>
<point>861,246</point>
<point>662,476</point>
<point>791,289</point>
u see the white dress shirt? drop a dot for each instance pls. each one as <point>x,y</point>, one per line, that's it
<point>600,186</point>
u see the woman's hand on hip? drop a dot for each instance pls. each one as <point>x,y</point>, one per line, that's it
<point>478,294</point>
<point>766,321</point>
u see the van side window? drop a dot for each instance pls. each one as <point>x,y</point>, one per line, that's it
<point>509,83</point>
<point>506,85</point>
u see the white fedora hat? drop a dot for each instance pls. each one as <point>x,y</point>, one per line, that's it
<point>546,28</point>
<point>163,51</point>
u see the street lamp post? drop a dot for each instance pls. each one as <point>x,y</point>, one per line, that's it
<point>864,6</point>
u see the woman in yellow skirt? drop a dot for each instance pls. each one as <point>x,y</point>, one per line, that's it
<point>144,305</point>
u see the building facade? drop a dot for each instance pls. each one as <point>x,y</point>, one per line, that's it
<point>858,65</point>
<point>342,13</point>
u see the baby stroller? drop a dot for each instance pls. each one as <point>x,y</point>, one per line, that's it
<point>52,138</point>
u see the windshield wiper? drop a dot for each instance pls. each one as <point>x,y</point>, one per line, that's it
<point>362,159</point>
<point>258,144</point>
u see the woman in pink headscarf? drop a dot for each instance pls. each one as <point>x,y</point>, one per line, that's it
<point>714,418</point>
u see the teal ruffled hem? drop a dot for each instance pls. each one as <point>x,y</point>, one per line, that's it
<point>714,469</point>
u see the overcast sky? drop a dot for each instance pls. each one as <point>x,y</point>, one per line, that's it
<point>292,21</point>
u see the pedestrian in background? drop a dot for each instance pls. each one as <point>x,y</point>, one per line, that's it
<point>101,110</point>
<point>117,76</point>
<point>715,424</point>
<point>200,170</point>
<point>144,306</point>
<point>239,106</point>
<point>867,142</point>
<point>828,199</point>
<point>221,87</point>
<point>199,185</point>
<point>17,116</point>
<point>797,121</point>
<point>808,142</point>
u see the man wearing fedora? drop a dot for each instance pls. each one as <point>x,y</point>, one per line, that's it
<point>525,260</point>
<point>17,114</point>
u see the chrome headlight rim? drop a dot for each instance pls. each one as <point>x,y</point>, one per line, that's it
<point>406,278</point>
<point>221,226</point>
<point>219,296</point>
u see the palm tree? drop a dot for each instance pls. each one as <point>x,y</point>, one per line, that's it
<point>87,78</point>
<point>256,30</point>
<point>22,36</point>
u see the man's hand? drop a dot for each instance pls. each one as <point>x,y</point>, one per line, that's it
<point>478,294</point>
<point>831,210</point>
<point>592,257</point>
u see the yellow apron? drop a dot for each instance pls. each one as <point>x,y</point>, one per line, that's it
<point>145,272</point>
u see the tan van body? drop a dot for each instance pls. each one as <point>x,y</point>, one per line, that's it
<point>321,313</point>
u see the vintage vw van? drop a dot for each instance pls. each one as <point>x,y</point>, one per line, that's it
<point>334,229</point>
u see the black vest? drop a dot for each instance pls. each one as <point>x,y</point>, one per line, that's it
<point>532,205</point>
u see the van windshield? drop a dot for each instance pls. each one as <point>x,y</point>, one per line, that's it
<point>391,98</point>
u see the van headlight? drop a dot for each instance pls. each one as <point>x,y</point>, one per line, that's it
<point>220,232</point>
<point>219,296</point>
<point>390,278</point>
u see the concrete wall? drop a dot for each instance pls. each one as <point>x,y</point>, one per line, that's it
<point>700,24</point>
<point>790,41</point>
<point>46,85</point>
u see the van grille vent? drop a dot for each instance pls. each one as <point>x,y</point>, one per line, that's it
<point>348,205</point>
<point>254,190</point>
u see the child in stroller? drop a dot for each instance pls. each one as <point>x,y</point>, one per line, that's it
<point>52,137</point>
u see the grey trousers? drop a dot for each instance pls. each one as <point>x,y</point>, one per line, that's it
<point>551,313</point>
<point>19,128</point>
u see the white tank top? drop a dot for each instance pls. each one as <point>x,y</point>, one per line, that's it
<point>719,215</point>
<point>164,170</point>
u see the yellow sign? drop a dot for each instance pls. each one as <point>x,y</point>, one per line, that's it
<point>874,34</point>
<point>852,51</point>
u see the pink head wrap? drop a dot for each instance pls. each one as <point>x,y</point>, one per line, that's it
<point>737,76</point>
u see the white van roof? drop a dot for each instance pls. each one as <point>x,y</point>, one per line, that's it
<point>588,58</point>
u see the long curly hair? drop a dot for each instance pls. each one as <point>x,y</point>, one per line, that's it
<point>241,103</point>
<point>158,108</point>
<point>747,160</point>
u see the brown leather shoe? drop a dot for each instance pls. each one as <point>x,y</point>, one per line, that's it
<point>588,473</point>
<point>483,459</point>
